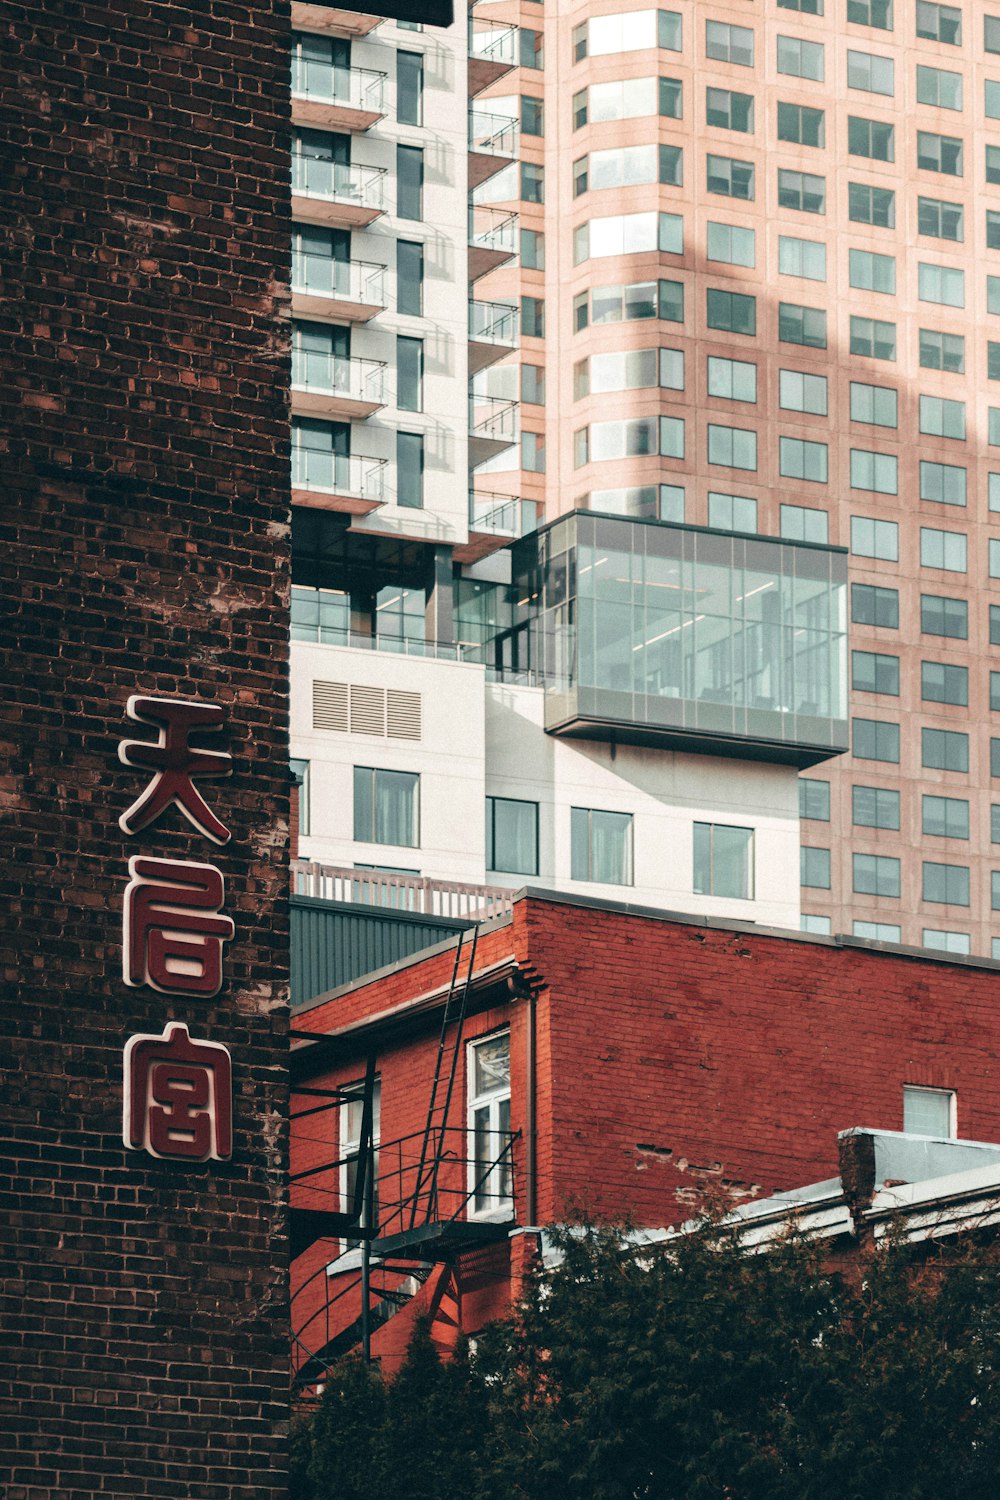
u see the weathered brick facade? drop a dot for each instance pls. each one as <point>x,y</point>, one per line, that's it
<point>144,549</point>
<point>669,1056</point>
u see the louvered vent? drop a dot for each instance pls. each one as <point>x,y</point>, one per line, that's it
<point>402,714</point>
<point>330,706</point>
<point>367,710</point>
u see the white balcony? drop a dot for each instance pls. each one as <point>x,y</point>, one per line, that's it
<point>349,483</point>
<point>492,238</point>
<point>330,20</point>
<point>493,142</point>
<point>493,427</point>
<point>337,291</point>
<point>339,98</point>
<point>492,52</point>
<point>328,385</point>
<point>492,332</point>
<point>338,193</point>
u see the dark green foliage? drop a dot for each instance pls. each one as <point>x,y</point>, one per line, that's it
<point>696,1371</point>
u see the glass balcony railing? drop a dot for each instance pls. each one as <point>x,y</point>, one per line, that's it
<point>339,182</point>
<point>349,474</point>
<point>493,41</point>
<point>354,88</point>
<point>493,323</point>
<point>493,229</point>
<point>502,515</point>
<point>493,135</point>
<point>332,375</point>
<point>493,418</point>
<point>359,281</point>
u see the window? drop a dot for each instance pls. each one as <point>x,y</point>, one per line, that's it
<point>799,459</point>
<point>876,875</point>
<point>993,426</point>
<point>876,13</point>
<point>994,757</point>
<point>928,1112</point>
<point>532,250</point>
<point>808,922</point>
<point>871,605</point>
<point>872,74</point>
<point>386,807</point>
<point>729,110</point>
<point>878,932</point>
<point>351,1124</point>
<point>732,312</point>
<point>731,44</point>
<point>873,672</point>
<point>946,942</point>
<point>945,817</point>
<point>533,181</point>
<point>942,351</point>
<point>629,370</point>
<point>732,447</point>
<point>871,538</point>
<point>641,299</point>
<point>871,205</point>
<point>533,317</point>
<point>732,244</point>
<point>941,418</point>
<point>943,284</point>
<point>808,7</point>
<point>511,836</point>
<point>939,88</point>
<point>995,692</point>
<point>657,502</point>
<point>871,138</point>
<point>732,379</point>
<point>669,96</point>
<point>410,277</point>
<point>800,392</point>
<point>601,846</point>
<point>874,807</point>
<point>942,483</point>
<point>532,385</point>
<point>802,325</point>
<point>628,31</point>
<point>874,471</point>
<point>942,683</point>
<point>944,750</point>
<point>300,779</point>
<point>993,360</point>
<point>875,739</point>
<point>409,182</point>
<point>410,88</point>
<point>814,868</point>
<point>945,885</point>
<point>943,549</point>
<point>872,273</point>
<point>491,1183</point>
<point>801,523</point>
<point>799,58</point>
<point>723,861</point>
<point>320,454</point>
<point>410,469</point>
<point>806,258</point>
<point>409,373</point>
<point>993,295</point>
<point>533,452</point>
<point>991,33</point>
<point>873,338</point>
<point>799,123</point>
<point>995,824</point>
<point>629,438</point>
<point>947,617</point>
<point>877,404</point>
<point>814,799</point>
<point>801,191</point>
<point>730,178</point>
<point>993,164</point>
<point>939,153</point>
<point>530,48</point>
<point>732,512</point>
<point>994,624</point>
<point>628,234</point>
<point>939,23</point>
<point>532,115</point>
<point>994,557</point>
<point>939,220</point>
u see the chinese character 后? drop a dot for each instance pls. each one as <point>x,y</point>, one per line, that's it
<point>176,763</point>
<point>178,1096</point>
<point>173,930</point>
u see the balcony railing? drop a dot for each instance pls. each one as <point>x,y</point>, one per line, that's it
<point>493,323</point>
<point>354,88</point>
<point>493,418</point>
<point>493,229</point>
<point>359,281</point>
<point>416,893</point>
<point>493,135</point>
<point>342,474</point>
<point>502,515</point>
<point>332,375</point>
<point>339,182</point>
<point>493,41</point>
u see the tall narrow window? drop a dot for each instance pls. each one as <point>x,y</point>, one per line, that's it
<point>490,1185</point>
<point>409,374</point>
<point>410,469</point>
<point>601,846</point>
<point>410,88</point>
<point>410,277</point>
<point>300,779</point>
<point>511,836</point>
<point>351,1121</point>
<point>409,182</point>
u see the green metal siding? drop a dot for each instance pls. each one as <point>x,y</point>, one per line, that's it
<point>334,942</point>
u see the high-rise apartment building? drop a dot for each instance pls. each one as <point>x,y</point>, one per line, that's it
<point>486,689</point>
<point>760,291</point>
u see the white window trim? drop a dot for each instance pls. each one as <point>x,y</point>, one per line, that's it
<point>492,1098</point>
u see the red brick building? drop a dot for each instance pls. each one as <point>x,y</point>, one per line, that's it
<point>649,1056</point>
<point>144,497</point>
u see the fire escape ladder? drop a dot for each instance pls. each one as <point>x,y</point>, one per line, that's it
<point>443,1084</point>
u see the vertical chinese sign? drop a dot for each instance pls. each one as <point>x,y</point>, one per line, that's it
<point>177,1090</point>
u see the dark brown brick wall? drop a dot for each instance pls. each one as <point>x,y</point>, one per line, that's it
<point>143,548</point>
